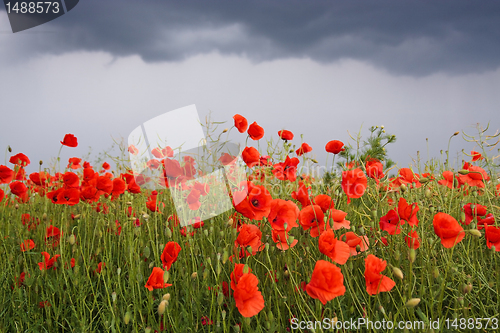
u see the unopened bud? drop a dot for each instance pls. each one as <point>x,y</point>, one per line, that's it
<point>313,160</point>
<point>428,193</point>
<point>41,162</point>
<point>397,273</point>
<point>161,307</point>
<point>126,319</point>
<point>220,299</point>
<point>225,256</point>
<point>72,239</point>
<point>291,239</point>
<point>246,269</point>
<point>225,130</point>
<point>435,272</point>
<point>194,275</point>
<point>467,288</point>
<point>166,297</point>
<point>412,302</point>
<point>147,330</point>
<point>9,149</point>
<point>456,133</point>
<point>113,296</point>
<point>412,255</point>
<point>403,188</point>
<point>463,172</point>
<point>474,232</point>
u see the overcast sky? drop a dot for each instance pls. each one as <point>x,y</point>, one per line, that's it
<point>423,69</point>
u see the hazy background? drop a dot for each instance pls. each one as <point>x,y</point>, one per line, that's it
<point>423,69</point>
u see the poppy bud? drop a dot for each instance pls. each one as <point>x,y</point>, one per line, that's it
<point>267,246</point>
<point>220,298</point>
<point>313,160</point>
<point>467,288</point>
<point>194,275</point>
<point>270,316</point>
<point>403,188</point>
<point>230,222</point>
<point>118,271</point>
<point>432,209</point>
<point>397,255</point>
<point>113,296</point>
<point>456,133</point>
<point>412,255</point>
<point>72,239</point>
<point>397,272</point>
<point>223,314</point>
<point>147,252</point>
<point>428,193</point>
<point>493,248</point>
<point>286,274</point>
<point>374,214</point>
<point>147,330</point>
<point>44,216</point>
<point>129,203</point>
<point>424,180</point>
<point>16,206</point>
<point>151,264</point>
<point>168,232</point>
<point>9,149</point>
<point>474,232</point>
<point>463,172</point>
<point>221,233</point>
<point>225,130</point>
<point>249,249</point>
<point>245,269</point>
<point>361,231</point>
<point>291,239</point>
<point>461,300</point>
<point>219,269</point>
<point>126,319</point>
<point>41,162</point>
<point>166,297</point>
<point>225,256</point>
<point>435,272</point>
<point>381,309</point>
<point>161,307</point>
<point>236,328</point>
<point>412,302</point>
<point>209,261</point>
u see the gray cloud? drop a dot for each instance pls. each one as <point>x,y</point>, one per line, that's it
<point>415,38</point>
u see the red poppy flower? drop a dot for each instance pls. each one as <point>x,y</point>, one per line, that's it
<point>68,197</point>
<point>2,195</point>
<point>249,300</point>
<point>254,202</point>
<point>100,266</point>
<point>303,149</point>
<point>70,141</point>
<point>48,262</point>
<point>488,220</point>
<point>492,237</point>
<point>334,147</point>
<point>375,281</point>
<point>18,189</point>
<point>448,229</point>
<point>390,222</point>
<point>285,135</point>
<point>74,163</point>
<point>312,217</point>
<point>240,123</point>
<point>281,238</point>
<point>251,156</point>
<point>6,174</point>
<point>449,180</point>
<point>327,282</point>
<point>302,195</point>
<point>133,150</point>
<point>374,169</point>
<point>335,249</point>
<point>324,201</point>
<point>338,218</point>
<point>354,183</point>
<point>283,211</point>
<point>286,170</point>
<point>193,199</point>
<point>155,280</point>
<point>354,241</point>
<point>170,254</point>
<point>52,236</point>
<point>237,273</point>
<point>476,156</point>
<point>473,211</point>
<point>249,235</point>
<point>475,176</point>
<point>255,131</point>
<point>20,159</point>
<point>407,212</point>
<point>27,245</point>
<point>413,240</point>
<point>119,187</point>
<point>106,166</point>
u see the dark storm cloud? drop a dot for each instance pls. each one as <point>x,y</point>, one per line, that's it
<point>404,37</point>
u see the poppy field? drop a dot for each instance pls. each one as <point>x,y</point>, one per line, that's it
<point>86,247</point>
